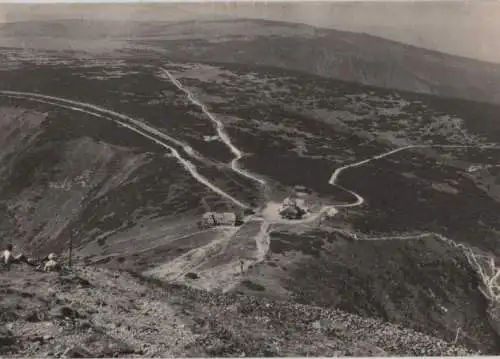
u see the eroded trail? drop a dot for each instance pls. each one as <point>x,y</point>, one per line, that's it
<point>219,126</point>
<point>262,240</point>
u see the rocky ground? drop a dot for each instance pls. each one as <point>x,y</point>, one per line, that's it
<point>94,312</point>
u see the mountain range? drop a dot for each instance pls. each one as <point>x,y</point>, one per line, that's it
<point>118,136</point>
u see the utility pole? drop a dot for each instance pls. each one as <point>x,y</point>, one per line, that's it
<point>70,259</point>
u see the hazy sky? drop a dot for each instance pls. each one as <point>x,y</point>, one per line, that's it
<point>469,28</point>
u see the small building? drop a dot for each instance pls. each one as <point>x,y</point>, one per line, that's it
<point>302,190</point>
<point>210,219</point>
<point>292,212</point>
<point>292,208</point>
<point>474,168</point>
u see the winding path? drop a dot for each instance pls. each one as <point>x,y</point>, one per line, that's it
<point>360,200</point>
<point>131,124</point>
<point>219,126</point>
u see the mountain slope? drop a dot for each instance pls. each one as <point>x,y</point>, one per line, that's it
<point>95,312</point>
<point>66,174</point>
<point>138,207</point>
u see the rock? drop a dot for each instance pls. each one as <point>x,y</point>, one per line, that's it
<point>6,337</point>
<point>35,317</point>
<point>191,275</point>
<point>317,325</point>
<point>76,352</point>
<point>270,350</point>
<point>65,312</point>
<point>75,280</point>
<point>461,352</point>
<point>85,324</point>
<point>364,349</point>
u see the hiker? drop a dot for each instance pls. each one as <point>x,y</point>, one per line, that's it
<point>51,264</point>
<point>7,258</point>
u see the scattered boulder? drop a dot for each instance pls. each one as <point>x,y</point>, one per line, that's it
<point>270,350</point>
<point>75,280</point>
<point>66,312</point>
<point>36,316</point>
<point>253,286</point>
<point>7,340</point>
<point>317,325</point>
<point>76,352</point>
<point>365,349</point>
<point>192,276</point>
<point>117,349</point>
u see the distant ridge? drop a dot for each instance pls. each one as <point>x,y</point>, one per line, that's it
<point>343,55</point>
<point>348,56</point>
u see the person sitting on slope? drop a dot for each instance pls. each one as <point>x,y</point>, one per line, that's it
<point>51,265</point>
<point>6,257</point>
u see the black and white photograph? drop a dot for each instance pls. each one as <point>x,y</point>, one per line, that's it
<point>250,179</point>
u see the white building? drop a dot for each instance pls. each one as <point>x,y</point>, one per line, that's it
<point>219,219</point>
